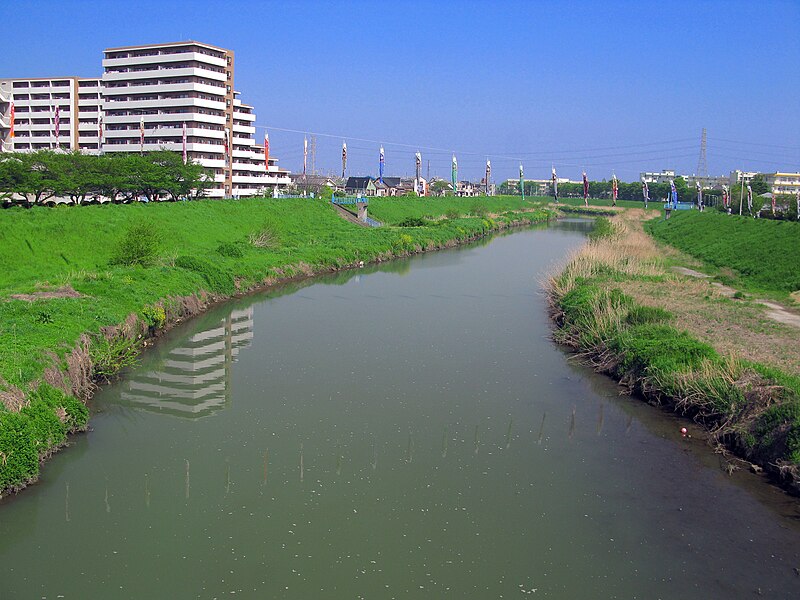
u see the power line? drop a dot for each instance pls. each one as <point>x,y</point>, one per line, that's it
<point>754,144</point>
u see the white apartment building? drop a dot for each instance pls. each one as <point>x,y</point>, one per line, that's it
<point>783,183</point>
<point>657,177</point>
<point>43,107</point>
<point>738,176</point>
<point>156,89</point>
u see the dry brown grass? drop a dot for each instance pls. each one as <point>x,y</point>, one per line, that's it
<point>11,396</point>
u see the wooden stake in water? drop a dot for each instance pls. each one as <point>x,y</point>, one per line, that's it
<point>508,433</point>
<point>444,442</point>
<point>410,451</point>
<point>108,506</point>
<point>477,440</point>
<point>339,458</point>
<point>66,504</point>
<point>600,419</point>
<point>541,429</point>
<point>187,478</point>
<point>301,462</point>
<point>266,463</point>
<point>227,477</point>
<point>572,424</point>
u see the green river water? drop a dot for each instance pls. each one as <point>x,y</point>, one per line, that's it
<point>401,431</point>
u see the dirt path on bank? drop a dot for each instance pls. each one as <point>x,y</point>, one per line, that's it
<point>774,311</point>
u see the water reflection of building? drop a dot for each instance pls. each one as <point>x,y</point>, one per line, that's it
<point>193,379</point>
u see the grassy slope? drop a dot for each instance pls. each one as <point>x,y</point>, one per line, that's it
<point>393,210</point>
<point>763,253</point>
<point>47,248</point>
<point>74,246</point>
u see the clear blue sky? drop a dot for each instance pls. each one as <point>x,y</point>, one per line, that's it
<point>622,86</point>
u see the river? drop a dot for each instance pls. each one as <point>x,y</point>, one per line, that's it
<point>405,430</point>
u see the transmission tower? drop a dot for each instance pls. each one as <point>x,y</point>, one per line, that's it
<point>702,165</point>
<point>429,169</point>
<point>314,153</point>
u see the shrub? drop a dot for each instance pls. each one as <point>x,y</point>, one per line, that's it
<point>452,214</point>
<point>217,279</point>
<point>603,228</point>
<point>138,246</point>
<point>265,237</point>
<point>155,316</point>
<point>412,222</point>
<point>478,210</point>
<point>663,348</point>
<point>109,357</point>
<point>19,460</point>
<point>639,315</point>
<point>230,250</point>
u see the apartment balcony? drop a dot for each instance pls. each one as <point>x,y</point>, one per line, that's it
<point>165,58</point>
<point>210,163</point>
<point>165,132</point>
<point>255,168</point>
<point>190,116</point>
<point>164,88</point>
<point>159,72</point>
<point>244,129</point>
<point>163,103</point>
<point>243,116</point>
<point>42,127</point>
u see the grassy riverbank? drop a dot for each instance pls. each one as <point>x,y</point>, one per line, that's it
<point>680,344</point>
<point>81,288</point>
<point>758,255</point>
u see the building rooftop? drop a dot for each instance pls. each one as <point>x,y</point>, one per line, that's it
<point>167,45</point>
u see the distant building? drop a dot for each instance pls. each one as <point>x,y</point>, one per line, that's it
<point>667,175</point>
<point>737,176</point>
<point>663,176</point>
<point>706,183</point>
<point>467,189</point>
<point>363,186</point>
<point>783,183</point>
<point>76,101</point>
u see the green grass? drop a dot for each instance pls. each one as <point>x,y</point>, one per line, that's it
<point>763,253</point>
<point>124,259</point>
<point>604,202</point>
<point>393,210</point>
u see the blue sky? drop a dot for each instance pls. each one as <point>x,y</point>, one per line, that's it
<point>605,86</point>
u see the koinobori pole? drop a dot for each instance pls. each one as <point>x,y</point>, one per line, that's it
<point>454,175</point>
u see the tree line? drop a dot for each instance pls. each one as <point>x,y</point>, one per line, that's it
<point>42,177</point>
